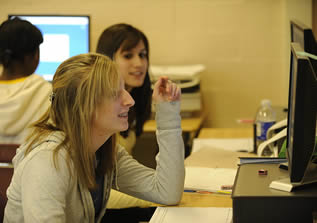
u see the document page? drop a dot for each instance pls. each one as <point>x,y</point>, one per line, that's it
<point>191,214</point>
<point>234,144</point>
<point>208,179</point>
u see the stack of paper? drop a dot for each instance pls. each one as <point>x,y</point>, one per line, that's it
<point>190,215</point>
<point>208,179</point>
<point>234,144</point>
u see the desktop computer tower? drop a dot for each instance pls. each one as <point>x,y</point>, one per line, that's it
<point>254,201</point>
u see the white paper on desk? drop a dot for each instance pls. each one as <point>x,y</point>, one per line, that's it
<point>208,179</point>
<point>231,144</point>
<point>191,214</point>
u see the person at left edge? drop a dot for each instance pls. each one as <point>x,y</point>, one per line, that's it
<point>23,94</point>
<point>69,163</point>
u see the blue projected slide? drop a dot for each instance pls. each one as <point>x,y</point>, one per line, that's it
<point>64,37</point>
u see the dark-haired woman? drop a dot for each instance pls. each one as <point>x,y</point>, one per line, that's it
<point>129,48</point>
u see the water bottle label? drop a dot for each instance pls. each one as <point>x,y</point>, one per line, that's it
<point>261,129</point>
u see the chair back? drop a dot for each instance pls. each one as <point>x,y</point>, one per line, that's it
<point>7,152</point>
<point>6,173</point>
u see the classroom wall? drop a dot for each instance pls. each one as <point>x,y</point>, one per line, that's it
<point>314,16</point>
<point>244,44</point>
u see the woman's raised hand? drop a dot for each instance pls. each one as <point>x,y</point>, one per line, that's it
<point>165,90</point>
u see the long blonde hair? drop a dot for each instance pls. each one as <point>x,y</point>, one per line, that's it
<point>79,84</point>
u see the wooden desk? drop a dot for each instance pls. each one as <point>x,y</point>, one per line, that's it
<point>189,124</point>
<point>205,200</point>
<point>225,133</point>
<point>190,127</point>
<point>214,158</point>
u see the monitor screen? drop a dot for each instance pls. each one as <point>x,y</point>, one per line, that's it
<point>302,111</point>
<point>64,36</point>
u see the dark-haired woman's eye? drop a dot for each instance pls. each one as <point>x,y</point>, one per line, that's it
<point>143,55</point>
<point>127,55</point>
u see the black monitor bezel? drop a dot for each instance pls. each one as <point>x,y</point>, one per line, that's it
<point>301,134</point>
<point>310,44</point>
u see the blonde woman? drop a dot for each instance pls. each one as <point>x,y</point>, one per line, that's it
<point>66,168</point>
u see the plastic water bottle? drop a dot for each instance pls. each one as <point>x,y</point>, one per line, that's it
<point>265,118</point>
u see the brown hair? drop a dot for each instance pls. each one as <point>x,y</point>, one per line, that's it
<point>128,37</point>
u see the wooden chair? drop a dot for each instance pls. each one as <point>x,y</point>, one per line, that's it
<point>6,172</point>
<point>7,152</point>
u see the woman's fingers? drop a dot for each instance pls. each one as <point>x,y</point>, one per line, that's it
<point>166,90</point>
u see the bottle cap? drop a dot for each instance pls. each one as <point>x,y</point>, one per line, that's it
<point>266,102</point>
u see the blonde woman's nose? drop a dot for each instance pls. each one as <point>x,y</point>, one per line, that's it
<point>127,99</point>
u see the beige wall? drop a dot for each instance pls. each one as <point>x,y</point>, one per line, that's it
<point>243,43</point>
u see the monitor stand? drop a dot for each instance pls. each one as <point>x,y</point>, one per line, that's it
<point>284,184</point>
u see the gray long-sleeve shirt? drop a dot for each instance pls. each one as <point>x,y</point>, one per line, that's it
<point>41,193</point>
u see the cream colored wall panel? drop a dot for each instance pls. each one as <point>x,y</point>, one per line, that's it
<point>244,44</point>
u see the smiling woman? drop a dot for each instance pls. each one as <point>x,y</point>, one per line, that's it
<point>132,65</point>
<point>73,148</point>
<point>129,48</point>
<point>111,116</point>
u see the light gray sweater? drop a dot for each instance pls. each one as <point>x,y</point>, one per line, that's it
<point>41,193</point>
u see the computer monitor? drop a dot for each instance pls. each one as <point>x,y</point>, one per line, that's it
<point>303,35</point>
<point>302,111</point>
<point>64,36</point>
